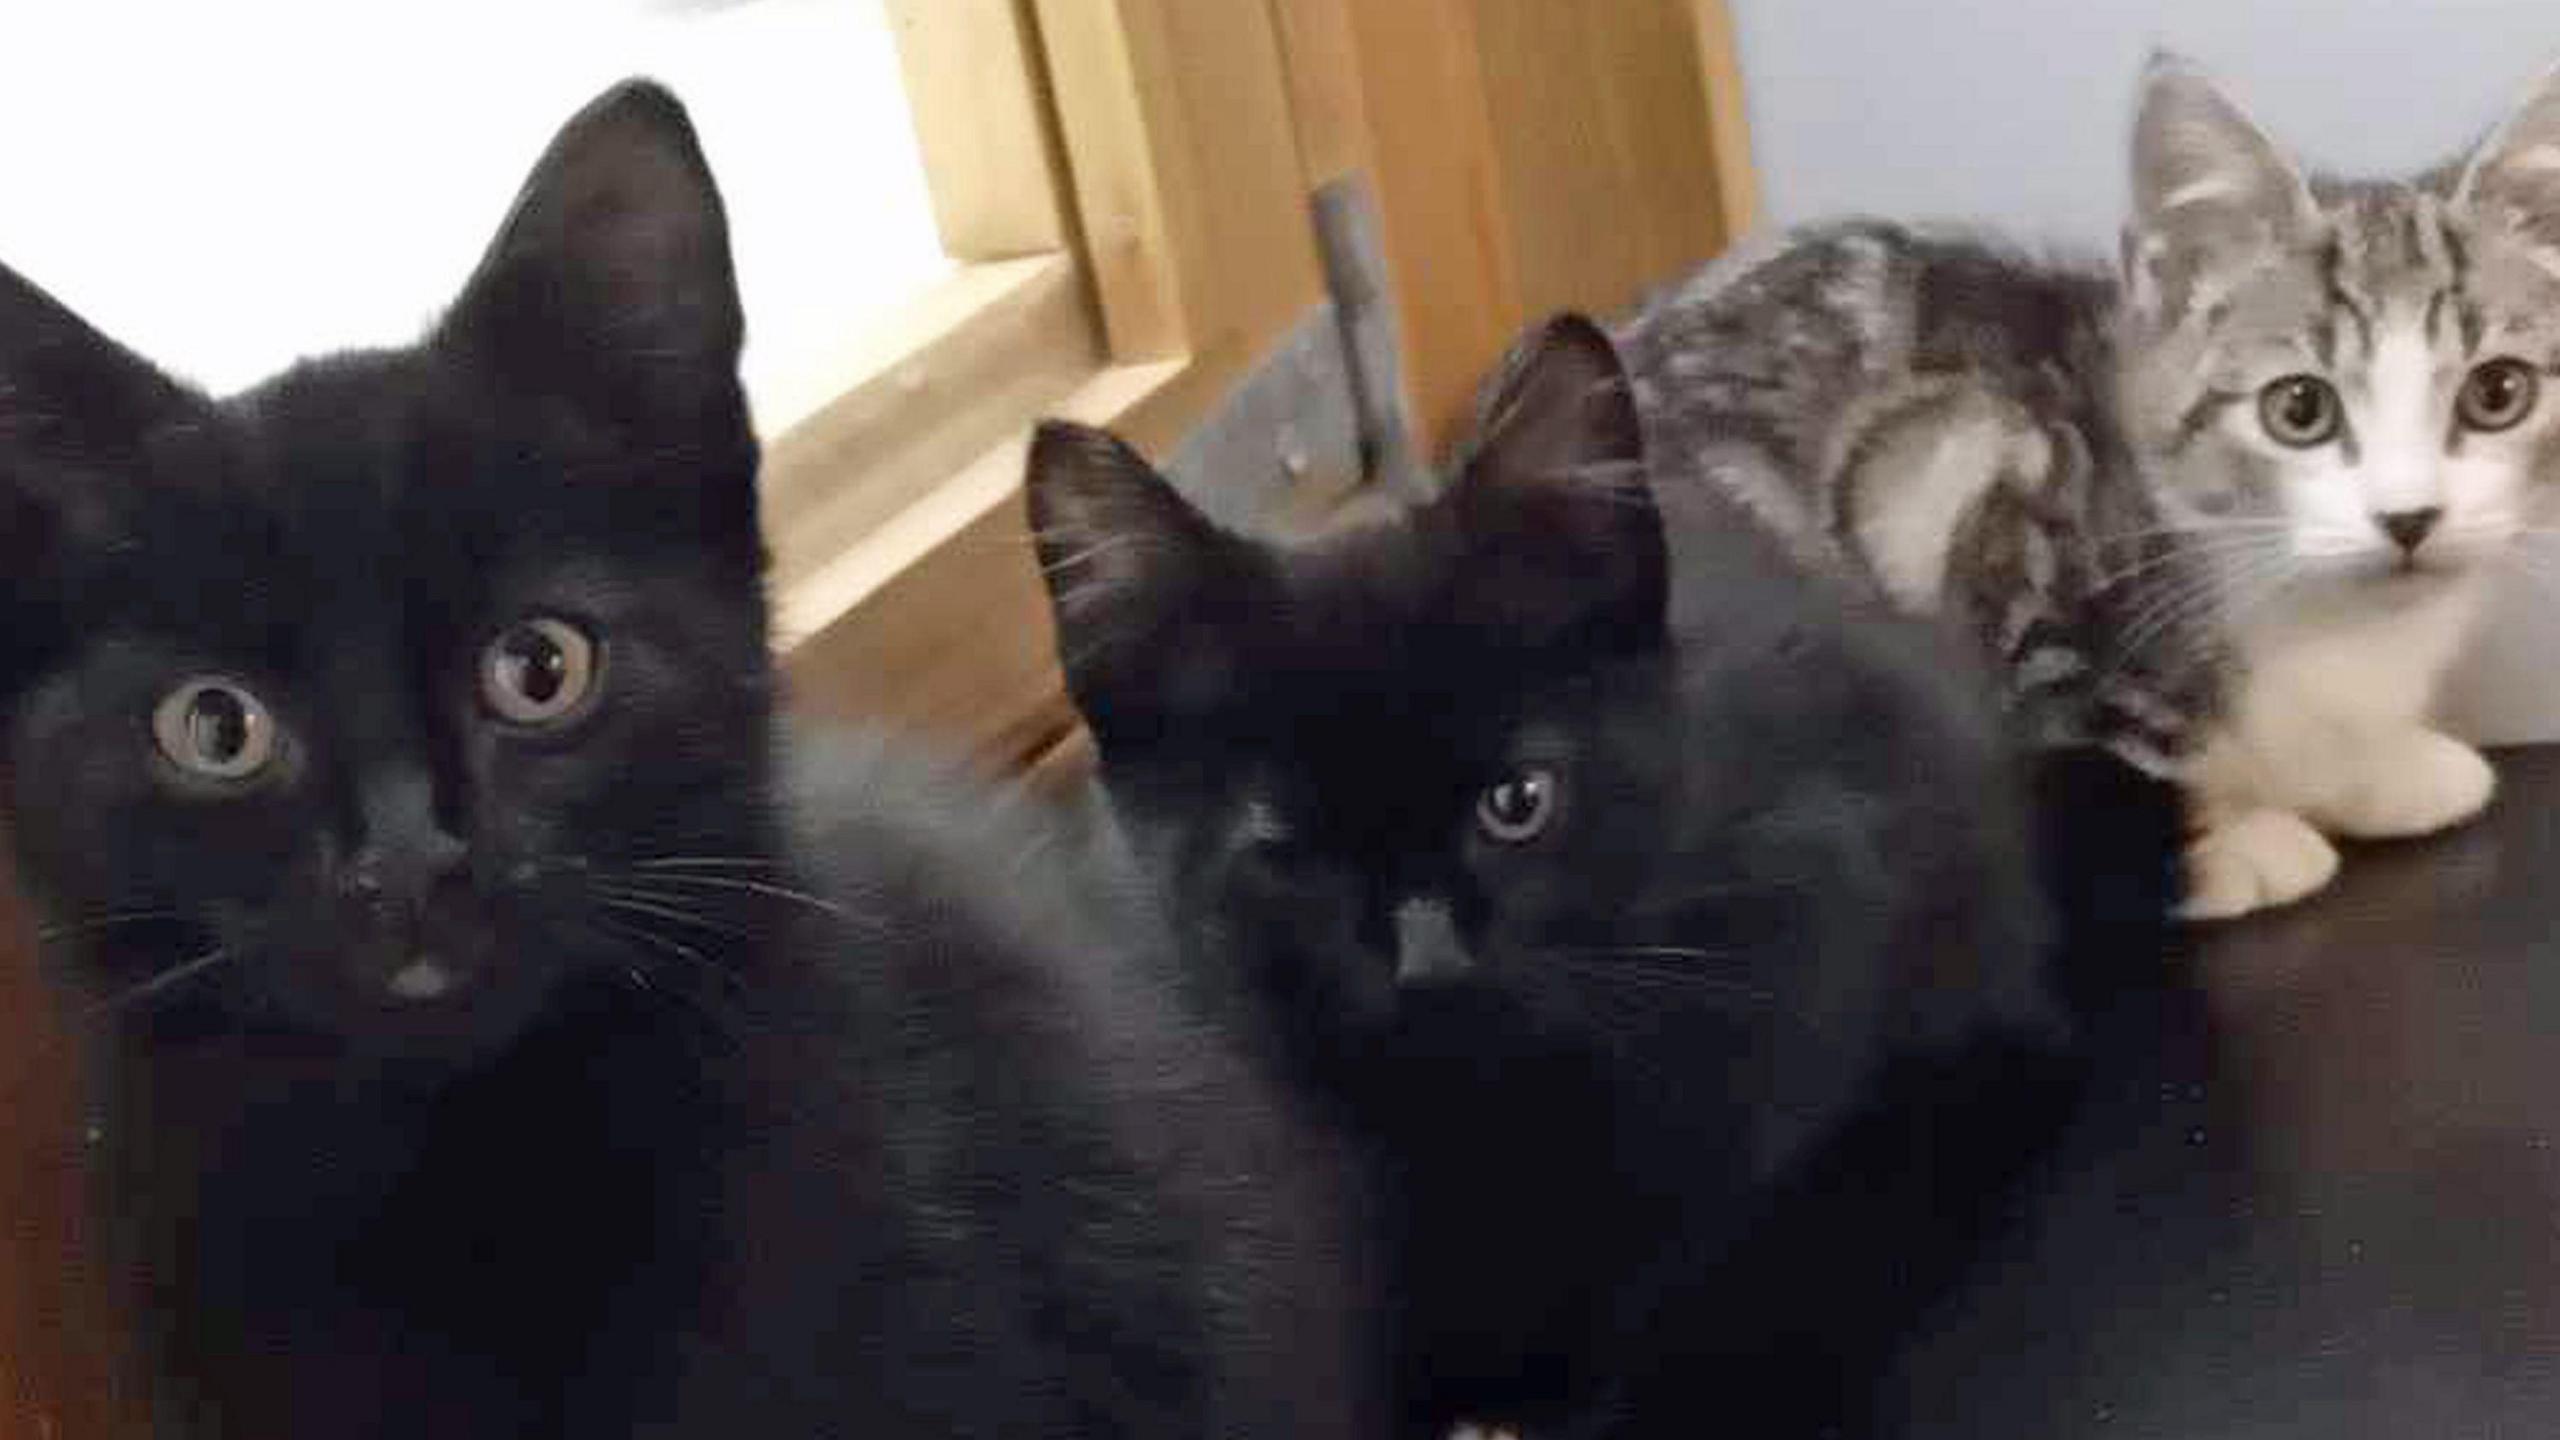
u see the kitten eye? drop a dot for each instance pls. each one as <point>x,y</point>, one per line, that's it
<point>1516,808</point>
<point>2299,410</point>
<point>2497,394</point>
<point>538,672</point>
<point>215,729</point>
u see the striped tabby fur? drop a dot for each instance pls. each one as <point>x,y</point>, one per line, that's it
<point>2228,508</point>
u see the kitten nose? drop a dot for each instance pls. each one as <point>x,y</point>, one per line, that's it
<point>2409,529</point>
<point>405,852</point>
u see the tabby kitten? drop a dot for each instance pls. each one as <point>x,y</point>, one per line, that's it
<point>1597,880</point>
<point>498,1030</point>
<point>2231,511</point>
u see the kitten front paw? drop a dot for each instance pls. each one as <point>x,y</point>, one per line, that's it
<point>2255,860</point>
<point>2413,784</point>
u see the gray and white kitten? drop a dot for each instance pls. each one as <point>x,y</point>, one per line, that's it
<point>2231,511</point>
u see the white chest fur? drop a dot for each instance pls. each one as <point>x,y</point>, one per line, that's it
<point>2328,735</point>
<point>2373,658</point>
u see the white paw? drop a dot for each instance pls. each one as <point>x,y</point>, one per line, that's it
<point>2255,860</point>
<point>2414,783</point>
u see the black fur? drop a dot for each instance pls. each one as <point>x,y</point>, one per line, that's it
<point>764,1097</point>
<point>1606,1067</point>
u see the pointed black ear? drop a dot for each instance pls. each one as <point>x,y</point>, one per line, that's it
<point>609,284</point>
<point>77,412</point>
<point>1559,524</point>
<point>1144,588</point>
<point>65,389</point>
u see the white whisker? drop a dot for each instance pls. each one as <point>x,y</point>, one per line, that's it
<point>175,975</point>
<point>670,946</point>
<point>1681,952</point>
<point>68,928</point>
<point>1630,966</point>
<point>2192,530</point>
<point>2202,550</point>
<point>672,862</point>
<point>644,903</point>
<point>2236,587</point>
<point>756,887</point>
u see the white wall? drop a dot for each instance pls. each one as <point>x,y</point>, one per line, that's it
<point>2014,112</point>
<point>226,185</point>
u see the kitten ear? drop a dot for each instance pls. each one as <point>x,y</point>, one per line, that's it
<point>2207,182</point>
<point>2515,172</point>
<point>1135,576</point>
<point>1559,522</point>
<point>609,283</point>
<point>76,413</point>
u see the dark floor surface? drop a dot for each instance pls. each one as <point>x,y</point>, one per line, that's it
<point>2314,1189</point>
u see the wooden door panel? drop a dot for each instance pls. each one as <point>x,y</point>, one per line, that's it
<point>56,1375</point>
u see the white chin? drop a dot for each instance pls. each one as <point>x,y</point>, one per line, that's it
<point>2399,570</point>
<point>2455,561</point>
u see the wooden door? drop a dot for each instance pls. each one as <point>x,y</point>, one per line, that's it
<point>56,1342</point>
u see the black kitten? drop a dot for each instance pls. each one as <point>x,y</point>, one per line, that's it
<point>493,1037</point>
<point>1601,887</point>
